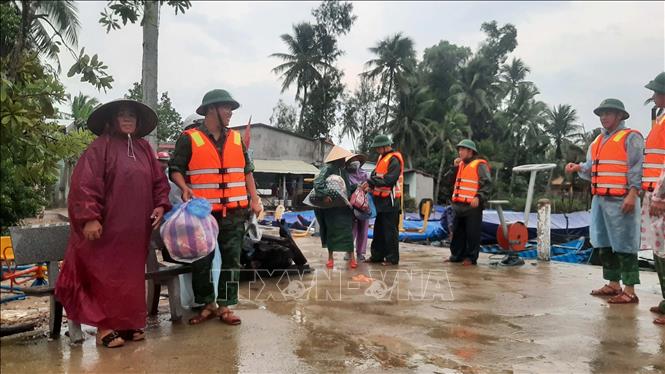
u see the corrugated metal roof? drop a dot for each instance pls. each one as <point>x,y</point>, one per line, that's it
<point>284,167</point>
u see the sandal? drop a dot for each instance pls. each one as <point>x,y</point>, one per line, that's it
<point>111,340</point>
<point>133,335</point>
<point>624,298</point>
<point>353,264</point>
<point>659,321</point>
<point>656,309</point>
<point>330,264</point>
<point>606,290</point>
<point>202,317</point>
<point>229,318</point>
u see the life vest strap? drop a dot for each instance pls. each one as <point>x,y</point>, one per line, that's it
<point>215,171</point>
<point>216,185</point>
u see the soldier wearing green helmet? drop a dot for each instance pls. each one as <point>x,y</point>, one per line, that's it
<point>472,187</point>
<point>386,183</point>
<point>614,167</point>
<point>653,184</point>
<point>210,161</point>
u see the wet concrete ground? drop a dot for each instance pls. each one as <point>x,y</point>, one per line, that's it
<point>437,318</point>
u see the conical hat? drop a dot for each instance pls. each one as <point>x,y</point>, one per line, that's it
<point>356,157</point>
<point>337,153</point>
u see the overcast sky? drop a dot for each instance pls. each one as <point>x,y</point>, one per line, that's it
<point>578,52</point>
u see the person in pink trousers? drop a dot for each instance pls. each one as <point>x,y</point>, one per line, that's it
<point>358,176</point>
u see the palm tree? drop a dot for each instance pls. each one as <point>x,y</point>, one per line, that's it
<point>302,63</point>
<point>82,107</point>
<point>522,122</point>
<point>444,136</point>
<point>409,127</point>
<point>512,76</point>
<point>395,56</point>
<point>41,23</point>
<point>561,124</point>
<point>468,96</point>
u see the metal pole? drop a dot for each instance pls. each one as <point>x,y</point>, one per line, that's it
<point>529,197</point>
<point>502,221</point>
<point>543,238</point>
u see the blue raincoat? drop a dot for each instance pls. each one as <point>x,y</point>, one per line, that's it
<point>610,227</point>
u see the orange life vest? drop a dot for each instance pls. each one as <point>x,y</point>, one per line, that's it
<point>381,170</point>
<point>220,179</point>
<point>467,181</point>
<point>609,165</point>
<point>654,155</point>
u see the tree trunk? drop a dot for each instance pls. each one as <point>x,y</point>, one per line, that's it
<point>302,110</point>
<point>150,60</point>
<point>390,88</point>
<point>27,13</point>
<point>439,176</point>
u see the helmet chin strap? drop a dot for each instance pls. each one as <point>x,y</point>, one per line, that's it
<point>219,118</point>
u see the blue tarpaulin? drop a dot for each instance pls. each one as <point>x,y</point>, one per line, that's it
<point>563,226</point>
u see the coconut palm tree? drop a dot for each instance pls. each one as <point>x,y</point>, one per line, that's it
<point>302,63</point>
<point>82,107</point>
<point>444,136</point>
<point>512,75</point>
<point>409,126</point>
<point>468,96</point>
<point>395,56</point>
<point>45,26</point>
<point>561,125</point>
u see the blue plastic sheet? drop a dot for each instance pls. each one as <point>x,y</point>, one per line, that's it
<point>563,226</point>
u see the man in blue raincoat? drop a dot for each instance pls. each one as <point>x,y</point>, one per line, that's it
<point>614,167</point>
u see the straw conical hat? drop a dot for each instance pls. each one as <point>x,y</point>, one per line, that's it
<point>357,157</point>
<point>337,153</point>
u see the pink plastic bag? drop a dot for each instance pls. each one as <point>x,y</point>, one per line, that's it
<point>190,231</point>
<point>359,200</point>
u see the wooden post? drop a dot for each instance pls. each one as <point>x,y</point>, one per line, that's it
<point>543,230</point>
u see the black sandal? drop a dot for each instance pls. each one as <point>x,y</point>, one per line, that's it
<point>109,338</point>
<point>132,335</point>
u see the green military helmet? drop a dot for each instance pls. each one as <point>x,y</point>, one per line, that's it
<point>657,84</point>
<point>216,96</point>
<point>381,140</point>
<point>611,104</point>
<point>468,143</point>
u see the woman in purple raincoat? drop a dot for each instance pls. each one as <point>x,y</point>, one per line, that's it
<point>358,176</point>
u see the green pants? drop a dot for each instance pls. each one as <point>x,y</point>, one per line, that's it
<point>660,269</point>
<point>230,239</point>
<point>620,267</point>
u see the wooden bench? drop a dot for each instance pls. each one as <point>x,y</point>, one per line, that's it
<point>48,243</point>
<point>159,274</point>
<point>37,244</point>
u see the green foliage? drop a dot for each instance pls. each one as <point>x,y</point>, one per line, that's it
<point>335,17</point>
<point>361,118</point>
<point>170,121</point>
<point>82,108</point>
<point>323,107</point>
<point>31,145</point>
<point>45,27</point>
<point>283,116</point>
<point>10,23</point>
<point>129,11</point>
<point>395,57</point>
<point>92,70</point>
<point>310,65</point>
